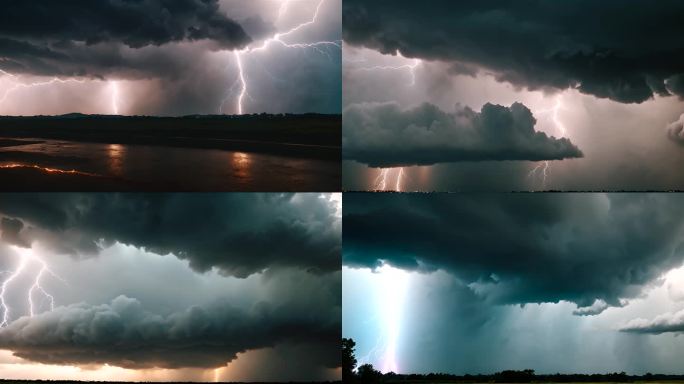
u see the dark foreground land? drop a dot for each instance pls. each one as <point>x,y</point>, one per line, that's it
<point>128,382</point>
<point>192,153</point>
<point>308,135</point>
<point>526,376</point>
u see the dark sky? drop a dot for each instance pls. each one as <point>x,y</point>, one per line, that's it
<point>487,282</point>
<point>605,76</point>
<point>182,286</point>
<point>170,57</point>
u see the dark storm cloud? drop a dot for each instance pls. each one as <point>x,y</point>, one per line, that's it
<point>135,23</point>
<point>523,248</point>
<point>124,334</point>
<point>10,232</point>
<point>626,51</point>
<point>384,135</point>
<point>97,39</point>
<point>240,234</point>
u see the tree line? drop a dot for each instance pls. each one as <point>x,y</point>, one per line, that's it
<point>367,374</point>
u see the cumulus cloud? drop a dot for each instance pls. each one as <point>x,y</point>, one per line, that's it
<point>588,249</point>
<point>239,234</point>
<point>122,333</point>
<point>626,52</point>
<point>665,323</point>
<point>675,131</point>
<point>384,135</point>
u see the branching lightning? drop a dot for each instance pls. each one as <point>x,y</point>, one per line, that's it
<point>241,82</point>
<point>384,178</point>
<point>410,67</point>
<point>26,259</point>
<point>393,177</point>
<point>542,170</point>
<point>17,85</point>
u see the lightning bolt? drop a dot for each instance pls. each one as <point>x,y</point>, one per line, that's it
<point>26,257</point>
<point>543,169</point>
<point>115,96</point>
<point>383,178</point>
<point>17,85</point>
<point>319,46</point>
<point>394,284</point>
<point>387,177</point>
<point>410,67</point>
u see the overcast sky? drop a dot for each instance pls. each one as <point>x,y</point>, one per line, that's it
<point>160,57</point>
<point>170,287</point>
<point>586,93</point>
<point>462,283</point>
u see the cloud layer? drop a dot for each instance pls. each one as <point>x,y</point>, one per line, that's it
<point>589,249</point>
<point>384,135</point>
<point>239,234</point>
<point>626,52</point>
<point>36,35</point>
<point>124,334</point>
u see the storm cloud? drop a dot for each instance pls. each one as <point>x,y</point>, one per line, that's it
<point>124,334</point>
<point>624,51</point>
<point>590,249</point>
<point>84,38</point>
<point>174,57</point>
<point>234,233</point>
<point>385,135</point>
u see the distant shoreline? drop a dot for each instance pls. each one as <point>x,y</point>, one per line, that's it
<point>301,136</point>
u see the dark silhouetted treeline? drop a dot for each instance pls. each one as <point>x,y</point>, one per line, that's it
<point>305,135</point>
<point>3,381</point>
<point>367,374</point>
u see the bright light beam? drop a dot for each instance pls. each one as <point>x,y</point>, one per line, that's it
<point>115,97</point>
<point>394,284</point>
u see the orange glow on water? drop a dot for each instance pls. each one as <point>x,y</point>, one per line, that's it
<point>116,154</point>
<point>241,163</point>
<point>46,169</point>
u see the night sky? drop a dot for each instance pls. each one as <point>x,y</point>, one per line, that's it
<point>480,283</point>
<point>502,96</point>
<point>170,287</point>
<point>161,57</point>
